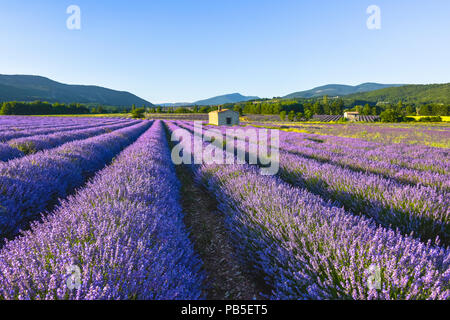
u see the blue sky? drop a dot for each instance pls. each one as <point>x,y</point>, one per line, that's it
<point>171,51</point>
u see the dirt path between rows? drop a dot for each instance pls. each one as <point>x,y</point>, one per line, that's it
<point>226,278</point>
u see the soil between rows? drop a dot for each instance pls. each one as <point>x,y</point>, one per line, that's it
<point>226,278</point>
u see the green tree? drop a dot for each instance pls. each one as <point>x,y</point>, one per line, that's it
<point>181,110</point>
<point>410,110</point>
<point>308,114</point>
<point>337,107</point>
<point>366,110</point>
<point>391,115</point>
<point>359,109</point>
<point>291,116</point>
<point>425,110</point>
<point>238,108</point>
<point>100,110</point>
<point>203,110</point>
<point>115,110</point>
<point>7,109</point>
<point>138,113</point>
<point>318,108</point>
<point>282,115</point>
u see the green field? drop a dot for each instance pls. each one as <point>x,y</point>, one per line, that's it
<point>444,118</point>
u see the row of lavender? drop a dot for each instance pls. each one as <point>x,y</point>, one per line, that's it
<point>373,161</point>
<point>31,184</point>
<point>413,209</point>
<point>20,123</point>
<point>306,248</point>
<point>398,156</point>
<point>21,127</point>
<point>26,121</point>
<point>413,156</point>
<point>417,209</point>
<point>37,143</point>
<point>124,231</point>
<point>7,135</point>
<point>386,157</point>
<point>404,163</point>
<point>430,135</point>
<point>347,177</point>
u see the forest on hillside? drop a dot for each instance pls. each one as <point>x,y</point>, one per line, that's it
<point>409,94</point>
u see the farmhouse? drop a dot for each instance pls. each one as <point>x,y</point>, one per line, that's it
<point>224,117</point>
<point>351,115</point>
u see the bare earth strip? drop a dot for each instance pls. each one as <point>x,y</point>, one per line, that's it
<point>226,278</point>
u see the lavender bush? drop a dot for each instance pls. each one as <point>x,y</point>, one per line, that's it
<point>419,157</point>
<point>21,132</point>
<point>392,162</point>
<point>417,209</point>
<point>41,142</point>
<point>124,230</point>
<point>309,249</point>
<point>33,183</point>
<point>7,152</point>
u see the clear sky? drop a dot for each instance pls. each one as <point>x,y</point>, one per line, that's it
<point>182,51</point>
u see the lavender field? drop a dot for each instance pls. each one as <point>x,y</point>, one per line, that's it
<point>96,208</point>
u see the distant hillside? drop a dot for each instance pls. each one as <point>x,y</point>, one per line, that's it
<point>334,90</point>
<point>411,94</point>
<point>227,98</point>
<point>178,104</point>
<point>31,88</point>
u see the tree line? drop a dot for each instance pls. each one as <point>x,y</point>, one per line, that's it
<point>46,108</point>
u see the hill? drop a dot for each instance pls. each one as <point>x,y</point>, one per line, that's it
<point>228,98</point>
<point>177,104</point>
<point>334,90</point>
<point>224,99</point>
<point>31,88</point>
<point>410,94</point>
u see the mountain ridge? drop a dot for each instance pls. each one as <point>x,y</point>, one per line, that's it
<point>217,100</point>
<point>413,94</point>
<point>227,98</point>
<point>339,90</point>
<point>31,88</point>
